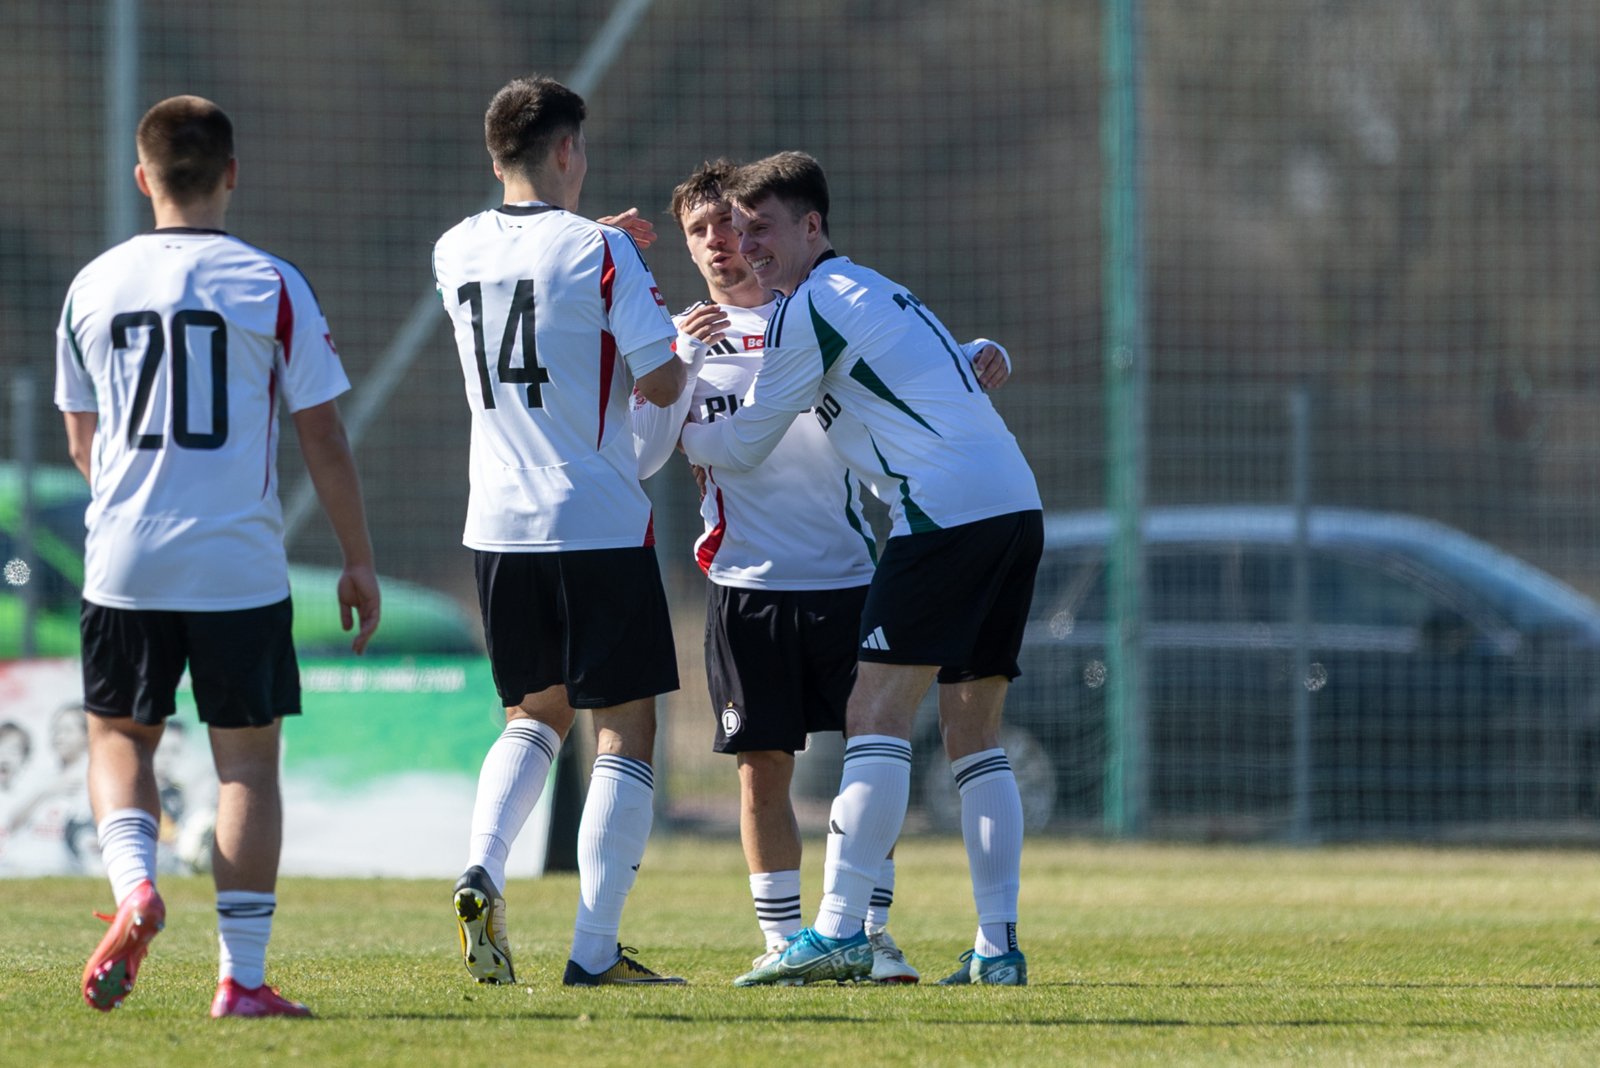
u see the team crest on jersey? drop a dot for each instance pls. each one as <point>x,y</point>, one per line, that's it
<point>731,721</point>
<point>754,341</point>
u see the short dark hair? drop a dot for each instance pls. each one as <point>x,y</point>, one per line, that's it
<point>704,186</point>
<point>793,177</point>
<point>185,143</point>
<point>526,119</point>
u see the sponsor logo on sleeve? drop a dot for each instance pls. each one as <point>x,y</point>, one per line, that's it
<point>654,292</point>
<point>754,341</point>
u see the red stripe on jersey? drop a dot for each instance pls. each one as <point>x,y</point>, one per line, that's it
<point>285,331</point>
<point>650,531</point>
<point>608,344</point>
<point>706,551</point>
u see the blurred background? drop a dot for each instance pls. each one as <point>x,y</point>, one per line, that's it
<point>1303,297</point>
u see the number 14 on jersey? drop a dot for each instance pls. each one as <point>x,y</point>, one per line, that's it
<point>519,322</point>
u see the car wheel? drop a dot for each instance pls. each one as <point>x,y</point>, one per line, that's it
<point>1030,763</point>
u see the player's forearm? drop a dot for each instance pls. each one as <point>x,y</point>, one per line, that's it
<point>332,466</point>
<point>663,384</point>
<point>80,439</point>
<point>739,442</point>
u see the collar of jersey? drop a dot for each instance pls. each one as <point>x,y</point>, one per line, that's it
<point>187,230</point>
<point>527,207</point>
<point>824,258</point>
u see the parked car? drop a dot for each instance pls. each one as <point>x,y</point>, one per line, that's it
<point>1446,682</point>
<point>416,619</point>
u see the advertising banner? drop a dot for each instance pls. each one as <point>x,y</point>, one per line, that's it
<point>379,771</point>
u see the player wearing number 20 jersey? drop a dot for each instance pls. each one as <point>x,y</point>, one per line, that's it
<point>553,464</point>
<point>183,340</point>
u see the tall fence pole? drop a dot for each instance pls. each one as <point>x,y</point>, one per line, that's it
<point>1126,777</point>
<point>1300,489</point>
<point>122,119</point>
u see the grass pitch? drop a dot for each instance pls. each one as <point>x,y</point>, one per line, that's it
<point>1137,955</point>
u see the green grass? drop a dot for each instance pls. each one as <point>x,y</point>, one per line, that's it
<point>1138,955</point>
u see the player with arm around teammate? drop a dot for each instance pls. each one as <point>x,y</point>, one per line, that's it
<point>788,555</point>
<point>557,320</point>
<point>172,351</point>
<point>952,588</point>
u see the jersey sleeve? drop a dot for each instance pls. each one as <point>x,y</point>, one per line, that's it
<point>74,384</point>
<point>787,384</point>
<point>309,370</point>
<point>638,316</point>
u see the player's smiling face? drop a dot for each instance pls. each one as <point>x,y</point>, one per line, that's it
<point>714,246</point>
<point>779,247</point>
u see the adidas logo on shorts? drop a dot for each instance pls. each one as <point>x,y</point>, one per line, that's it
<point>876,640</point>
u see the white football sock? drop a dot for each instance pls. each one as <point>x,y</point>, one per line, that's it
<point>244,924</point>
<point>882,898</point>
<point>514,775</point>
<point>865,821</point>
<point>611,838</point>
<point>991,826</point>
<point>777,899</point>
<point>128,849</point>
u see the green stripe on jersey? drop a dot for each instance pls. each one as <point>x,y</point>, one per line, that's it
<point>72,337</point>
<point>829,340</point>
<point>855,521</point>
<point>916,518</point>
<point>869,378</point>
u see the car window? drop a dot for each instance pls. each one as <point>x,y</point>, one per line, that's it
<point>1349,590</point>
<point>1357,591</point>
<point>1198,584</point>
<point>1070,588</point>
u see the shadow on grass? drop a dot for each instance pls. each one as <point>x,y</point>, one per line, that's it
<point>1362,985</point>
<point>701,1020</point>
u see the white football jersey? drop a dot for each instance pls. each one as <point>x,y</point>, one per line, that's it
<point>182,341</point>
<point>793,522</point>
<point>895,394</point>
<point>554,317</point>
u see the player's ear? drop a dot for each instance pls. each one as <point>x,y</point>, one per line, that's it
<point>140,180</point>
<point>230,177</point>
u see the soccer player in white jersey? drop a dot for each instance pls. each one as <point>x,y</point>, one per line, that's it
<point>557,319</point>
<point>951,593</point>
<point>788,555</point>
<point>172,351</point>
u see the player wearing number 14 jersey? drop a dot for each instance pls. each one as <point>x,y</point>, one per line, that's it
<point>557,321</point>
<point>173,350</point>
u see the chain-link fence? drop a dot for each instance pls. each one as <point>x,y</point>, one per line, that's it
<point>1370,278</point>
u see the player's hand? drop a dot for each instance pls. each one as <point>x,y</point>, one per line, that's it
<point>991,368</point>
<point>642,230</point>
<point>359,599</point>
<point>699,478</point>
<point>705,322</point>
